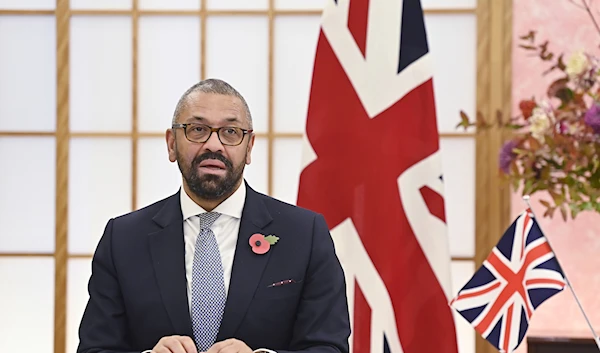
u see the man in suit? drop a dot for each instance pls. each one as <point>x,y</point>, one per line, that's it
<point>216,267</point>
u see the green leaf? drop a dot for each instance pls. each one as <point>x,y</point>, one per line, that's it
<point>516,183</point>
<point>464,121</point>
<point>575,196</point>
<point>595,179</point>
<point>565,95</point>
<point>271,239</point>
<point>538,186</point>
<point>528,187</point>
<point>574,210</point>
<point>520,152</point>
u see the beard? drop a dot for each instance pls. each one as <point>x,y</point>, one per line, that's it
<point>210,186</point>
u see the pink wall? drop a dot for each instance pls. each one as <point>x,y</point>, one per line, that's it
<point>576,243</point>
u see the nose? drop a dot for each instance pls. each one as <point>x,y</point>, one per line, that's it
<point>213,143</point>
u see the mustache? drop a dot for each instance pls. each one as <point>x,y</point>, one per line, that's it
<point>212,155</point>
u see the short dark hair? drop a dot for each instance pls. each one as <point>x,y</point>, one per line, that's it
<point>211,85</point>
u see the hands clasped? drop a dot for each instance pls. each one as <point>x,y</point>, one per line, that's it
<point>184,344</point>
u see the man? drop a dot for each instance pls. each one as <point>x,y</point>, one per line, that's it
<point>217,267</point>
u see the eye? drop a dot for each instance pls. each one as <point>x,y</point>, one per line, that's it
<point>198,128</point>
<point>230,130</point>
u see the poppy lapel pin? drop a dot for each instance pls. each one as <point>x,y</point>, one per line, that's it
<point>260,244</point>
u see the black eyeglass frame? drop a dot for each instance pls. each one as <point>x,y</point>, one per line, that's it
<point>212,129</point>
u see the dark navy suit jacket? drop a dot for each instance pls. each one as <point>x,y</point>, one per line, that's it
<point>138,286</point>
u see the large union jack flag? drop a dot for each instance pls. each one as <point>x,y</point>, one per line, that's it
<point>371,165</point>
<point>520,273</point>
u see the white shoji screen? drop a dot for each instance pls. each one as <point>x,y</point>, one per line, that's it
<point>129,61</point>
<point>27,181</point>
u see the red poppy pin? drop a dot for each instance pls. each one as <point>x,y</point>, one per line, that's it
<point>261,244</point>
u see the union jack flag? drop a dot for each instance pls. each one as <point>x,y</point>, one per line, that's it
<point>520,273</point>
<point>372,166</point>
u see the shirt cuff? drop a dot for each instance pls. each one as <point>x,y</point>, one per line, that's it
<point>260,350</point>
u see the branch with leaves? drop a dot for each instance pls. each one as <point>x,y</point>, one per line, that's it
<point>555,141</point>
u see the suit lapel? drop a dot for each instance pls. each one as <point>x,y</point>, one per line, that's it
<point>247,266</point>
<point>168,259</point>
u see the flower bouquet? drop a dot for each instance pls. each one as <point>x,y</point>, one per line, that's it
<point>553,145</point>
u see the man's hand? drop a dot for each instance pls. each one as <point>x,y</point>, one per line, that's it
<point>175,344</point>
<point>230,346</point>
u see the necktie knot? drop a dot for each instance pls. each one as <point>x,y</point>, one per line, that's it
<point>207,219</point>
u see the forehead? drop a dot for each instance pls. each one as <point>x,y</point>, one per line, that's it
<point>213,108</point>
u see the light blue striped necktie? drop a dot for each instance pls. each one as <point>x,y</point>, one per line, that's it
<point>208,285</point>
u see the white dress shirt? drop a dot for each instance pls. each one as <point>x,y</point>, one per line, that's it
<point>226,229</point>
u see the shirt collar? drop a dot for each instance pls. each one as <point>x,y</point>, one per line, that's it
<point>232,206</point>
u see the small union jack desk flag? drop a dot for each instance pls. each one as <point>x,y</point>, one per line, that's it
<point>520,273</point>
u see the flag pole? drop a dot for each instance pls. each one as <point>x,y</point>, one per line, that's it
<point>596,338</point>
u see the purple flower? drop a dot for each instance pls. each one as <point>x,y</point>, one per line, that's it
<point>507,155</point>
<point>592,118</point>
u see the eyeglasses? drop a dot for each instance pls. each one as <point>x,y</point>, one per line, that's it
<point>200,133</point>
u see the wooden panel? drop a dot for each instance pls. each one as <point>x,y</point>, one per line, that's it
<point>134,105</point>
<point>493,93</point>
<point>62,174</point>
<point>270,106</point>
<point>506,87</point>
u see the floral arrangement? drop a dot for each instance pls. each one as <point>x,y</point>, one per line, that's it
<point>554,143</point>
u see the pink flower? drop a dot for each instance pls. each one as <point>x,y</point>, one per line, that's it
<point>562,127</point>
<point>259,244</point>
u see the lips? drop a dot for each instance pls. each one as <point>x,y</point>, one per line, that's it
<point>212,163</point>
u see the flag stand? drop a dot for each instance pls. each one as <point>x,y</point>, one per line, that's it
<point>596,338</point>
